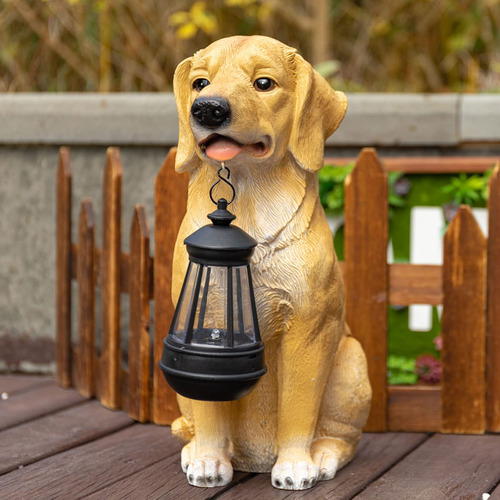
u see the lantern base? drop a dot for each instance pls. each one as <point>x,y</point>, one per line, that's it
<point>208,390</point>
<point>216,375</point>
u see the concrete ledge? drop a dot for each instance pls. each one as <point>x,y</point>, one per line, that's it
<point>398,119</point>
<point>88,119</point>
<point>142,119</point>
<point>480,118</point>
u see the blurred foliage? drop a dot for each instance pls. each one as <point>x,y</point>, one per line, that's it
<point>429,369</point>
<point>469,189</point>
<point>401,370</point>
<point>129,45</point>
<point>331,187</point>
<point>188,23</point>
<point>408,371</point>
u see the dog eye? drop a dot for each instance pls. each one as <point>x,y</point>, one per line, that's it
<point>264,84</point>
<point>200,83</point>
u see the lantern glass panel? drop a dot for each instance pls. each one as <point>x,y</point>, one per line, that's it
<point>210,321</point>
<point>222,290</point>
<point>186,300</point>
<point>243,321</point>
<point>215,308</point>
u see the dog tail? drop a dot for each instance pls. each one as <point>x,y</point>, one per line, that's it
<point>183,429</point>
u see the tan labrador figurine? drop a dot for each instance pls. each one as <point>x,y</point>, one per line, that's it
<point>257,105</point>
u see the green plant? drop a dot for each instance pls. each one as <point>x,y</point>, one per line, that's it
<point>331,187</point>
<point>469,189</point>
<point>401,370</point>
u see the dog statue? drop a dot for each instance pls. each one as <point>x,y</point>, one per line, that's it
<point>258,106</point>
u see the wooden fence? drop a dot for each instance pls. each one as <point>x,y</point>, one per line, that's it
<point>467,285</point>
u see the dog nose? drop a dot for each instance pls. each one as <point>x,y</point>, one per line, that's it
<point>211,112</point>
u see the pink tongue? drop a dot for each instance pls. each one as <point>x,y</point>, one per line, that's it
<point>223,150</point>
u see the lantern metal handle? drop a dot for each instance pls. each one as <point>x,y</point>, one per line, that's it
<point>223,179</point>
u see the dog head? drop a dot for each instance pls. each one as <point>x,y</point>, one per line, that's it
<point>250,100</point>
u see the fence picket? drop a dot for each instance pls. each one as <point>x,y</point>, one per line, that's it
<point>366,272</point>
<point>463,326</point>
<point>110,368</point>
<point>493,297</point>
<point>86,301</point>
<point>139,344</point>
<point>63,270</point>
<point>170,207</point>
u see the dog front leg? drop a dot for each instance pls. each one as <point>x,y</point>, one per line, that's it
<point>303,371</point>
<point>206,460</point>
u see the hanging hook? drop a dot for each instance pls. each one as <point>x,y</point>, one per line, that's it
<point>223,179</point>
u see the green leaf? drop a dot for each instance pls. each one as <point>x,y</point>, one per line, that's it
<point>403,379</point>
<point>401,370</point>
<point>468,189</point>
<point>396,201</point>
<point>401,363</point>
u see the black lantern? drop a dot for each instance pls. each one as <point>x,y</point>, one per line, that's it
<point>213,351</point>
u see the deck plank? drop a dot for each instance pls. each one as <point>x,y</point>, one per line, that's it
<point>163,480</point>
<point>495,494</point>
<point>46,436</point>
<point>446,466</point>
<point>376,454</point>
<point>81,471</point>
<point>66,447</point>
<point>27,406</point>
<point>13,384</point>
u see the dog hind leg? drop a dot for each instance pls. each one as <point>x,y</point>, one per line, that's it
<point>183,429</point>
<point>344,410</point>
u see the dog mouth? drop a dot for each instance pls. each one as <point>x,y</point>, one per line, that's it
<point>222,148</point>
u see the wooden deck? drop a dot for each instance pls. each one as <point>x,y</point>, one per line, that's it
<point>54,444</point>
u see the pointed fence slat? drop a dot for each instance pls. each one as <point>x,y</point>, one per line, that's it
<point>139,357</point>
<point>86,300</point>
<point>366,272</point>
<point>463,326</point>
<point>493,297</point>
<point>63,270</point>
<point>110,384</point>
<point>170,207</point>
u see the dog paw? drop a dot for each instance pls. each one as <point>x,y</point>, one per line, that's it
<point>297,474</point>
<point>326,456</point>
<point>206,471</point>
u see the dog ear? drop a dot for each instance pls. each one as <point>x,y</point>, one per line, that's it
<point>186,157</point>
<point>319,109</point>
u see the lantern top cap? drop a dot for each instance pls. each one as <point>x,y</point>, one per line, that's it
<point>222,216</point>
<point>220,243</point>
